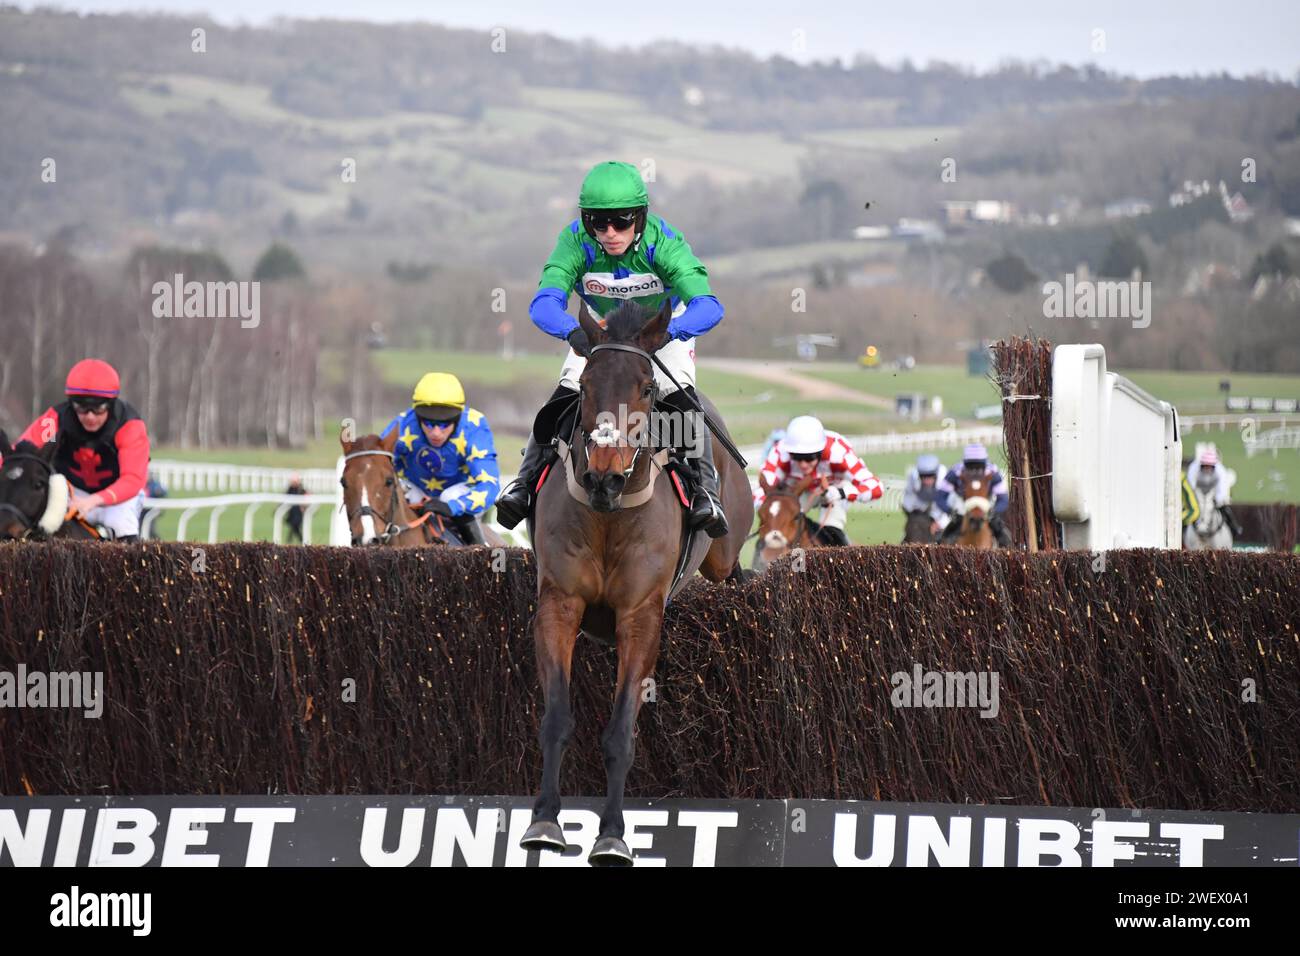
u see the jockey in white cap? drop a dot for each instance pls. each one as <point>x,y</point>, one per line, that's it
<point>808,447</point>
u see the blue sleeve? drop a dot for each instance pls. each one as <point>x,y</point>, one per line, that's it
<point>482,472</point>
<point>702,313</point>
<point>547,312</point>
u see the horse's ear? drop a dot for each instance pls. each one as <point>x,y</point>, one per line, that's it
<point>654,334</point>
<point>347,445</point>
<point>764,484</point>
<point>5,447</point>
<point>389,441</point>
<point>595,334</point>
<point>46,451</point>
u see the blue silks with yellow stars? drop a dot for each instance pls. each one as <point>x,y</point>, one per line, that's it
<point>463,472</point>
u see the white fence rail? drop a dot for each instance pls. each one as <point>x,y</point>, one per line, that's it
<point>213,476</point>
<point>202,476</point>
<point>251,503</point>
<point>1274,440</point>
<point>1233,420</point>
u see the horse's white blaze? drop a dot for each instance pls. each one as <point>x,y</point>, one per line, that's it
<point>975,484</point>
<point>367,523</point>
<point>776,506</point>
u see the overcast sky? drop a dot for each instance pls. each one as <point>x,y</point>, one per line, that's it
<point>1142,37</point>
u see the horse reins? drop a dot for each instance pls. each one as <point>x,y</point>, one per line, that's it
<point>391,528</point>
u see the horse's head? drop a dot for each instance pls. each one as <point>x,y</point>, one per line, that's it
<point>975,497</point>
<point>618,393</point>
<point>33,497</point>
<point>370,492</point>
<point>781,524</point>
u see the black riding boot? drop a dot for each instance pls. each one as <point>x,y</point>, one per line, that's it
<point>706,509</point>
<point>515,501</point>
<point>467,527</point>
<point>706,502</point>
<point>1000,532</point>
<point>834,537</point>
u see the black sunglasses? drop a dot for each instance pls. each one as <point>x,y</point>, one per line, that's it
<point>600,221</point>
<point>90,404</point>
<point>810,456</point>
<point>439,423</point>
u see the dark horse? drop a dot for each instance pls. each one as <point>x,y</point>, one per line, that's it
<point>33,496</point>
<point>606,554</point>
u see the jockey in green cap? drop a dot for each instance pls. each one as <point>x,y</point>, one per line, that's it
<point>615,252</point>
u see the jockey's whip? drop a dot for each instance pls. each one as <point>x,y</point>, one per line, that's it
<point>713,426</point>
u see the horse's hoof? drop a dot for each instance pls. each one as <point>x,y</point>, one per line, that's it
<point>610,851</point>
<point>544,835</point>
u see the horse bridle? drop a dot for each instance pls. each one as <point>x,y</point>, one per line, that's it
<point>801,518</point>
<point>391,528</point>
<point>6,508</point>
<point>587,438</point>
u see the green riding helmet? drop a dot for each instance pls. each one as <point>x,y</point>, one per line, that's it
<point>615,187</point>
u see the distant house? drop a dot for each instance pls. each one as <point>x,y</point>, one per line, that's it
<point>1211,276</point>
<point>1127,208</point>
<point>958,212</point>
<point>926,230</point>
<point>872,232</point>
<point>1235,205</point>
<point>1190,192</point>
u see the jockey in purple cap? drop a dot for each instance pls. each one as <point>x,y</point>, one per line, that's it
<point>975,463</point>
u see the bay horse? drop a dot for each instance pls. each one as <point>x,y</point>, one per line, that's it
<point>607,533</point>
<point>34,498</point>
<point>919,528</point>
<point>782,525</point>
<point>975,530</point>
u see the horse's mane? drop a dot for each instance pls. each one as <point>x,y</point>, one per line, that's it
<point>625,322</point>
<point>25,447</point>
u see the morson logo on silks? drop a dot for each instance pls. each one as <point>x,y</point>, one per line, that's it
<point>629,287</point>
<point>484,831</point>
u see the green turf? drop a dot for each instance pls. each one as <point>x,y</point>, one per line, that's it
<point>960,392</point>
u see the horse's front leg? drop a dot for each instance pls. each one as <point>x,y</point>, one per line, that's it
<point>555,629</point>
<point>637,634</point>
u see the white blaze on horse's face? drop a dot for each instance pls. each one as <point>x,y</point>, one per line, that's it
<point>368,535</point>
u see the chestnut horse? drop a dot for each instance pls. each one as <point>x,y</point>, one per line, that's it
<point>606,551</point>
<point>377,510</point>
<point>782,525</point>
<point>976,506</point>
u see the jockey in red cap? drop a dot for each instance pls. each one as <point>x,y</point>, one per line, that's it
<point>103,448</point>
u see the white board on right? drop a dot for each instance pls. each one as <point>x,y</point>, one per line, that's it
<point>1116,456</point>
